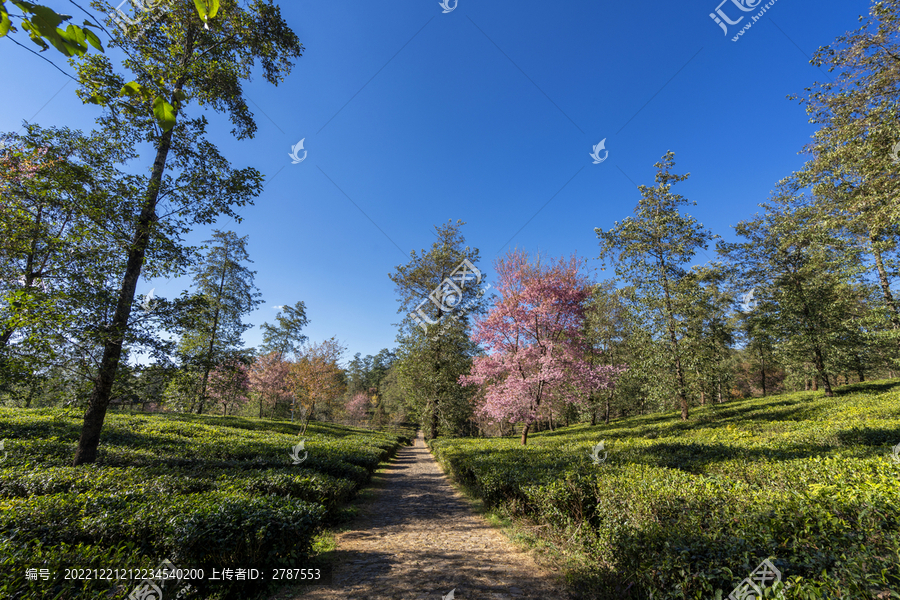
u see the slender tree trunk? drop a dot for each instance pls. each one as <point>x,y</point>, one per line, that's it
<point>762,372</point>
<point>524,433</point>
<point>885,283</point>
<point>815,383</point>
<point>606,415</point>
<point>679,372</point>
<point>215,329</point>
<point>86,452</point>
<point>30,274</point>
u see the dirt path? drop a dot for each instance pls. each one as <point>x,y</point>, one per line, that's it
<point>418,540</point>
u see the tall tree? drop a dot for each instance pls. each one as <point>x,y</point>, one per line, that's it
<point>178,60</point>
<point>227,285</point>
<point>432,286</point>
<point>286,337</point>
<point>798,272</point>
<point>649,252</point>
<point>537,352</point>
<point>850,170</point>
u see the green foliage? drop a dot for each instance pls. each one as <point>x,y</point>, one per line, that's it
<point>688,510</point>
<point>202,491</point>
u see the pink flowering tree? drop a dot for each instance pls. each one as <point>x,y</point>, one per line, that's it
<point>536,348</point>
<point>229,385</point>
<point>358,406</point>
<point>268,381</point>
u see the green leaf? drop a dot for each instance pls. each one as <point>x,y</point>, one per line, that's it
<point>4,20</point>
<point>164,112</point>
<point>93,40</point>
<point>133,89</point>
<point>207,9</point>
<point>98,99</point>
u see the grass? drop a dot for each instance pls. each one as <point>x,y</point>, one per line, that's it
<point>689,509</point>
<point>205,492</point>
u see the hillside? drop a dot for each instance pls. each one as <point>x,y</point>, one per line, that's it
<point>689,509</point>
<point>203,492</point>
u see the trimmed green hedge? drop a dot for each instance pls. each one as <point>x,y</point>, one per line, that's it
<point>203,492</point>
<point>688,510</point>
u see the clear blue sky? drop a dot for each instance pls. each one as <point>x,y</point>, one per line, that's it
<point>487,114</point>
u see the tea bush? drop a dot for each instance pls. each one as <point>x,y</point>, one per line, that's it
<point>204,492</point>
<point>689,509</point>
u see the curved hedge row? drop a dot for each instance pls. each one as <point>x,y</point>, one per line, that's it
<point>689,510</point>
<point>175,487</point>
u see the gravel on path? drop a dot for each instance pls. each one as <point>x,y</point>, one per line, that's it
<point>418,539</point>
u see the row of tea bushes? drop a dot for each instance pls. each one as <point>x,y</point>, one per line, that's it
<point>689,509</point>
<point>200,491</point>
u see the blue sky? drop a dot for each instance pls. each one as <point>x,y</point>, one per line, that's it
<point>412,117</point>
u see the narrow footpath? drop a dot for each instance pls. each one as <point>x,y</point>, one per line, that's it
<point>418,539</point>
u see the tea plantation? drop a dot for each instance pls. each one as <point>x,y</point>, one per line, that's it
<point>689,509</point>
<point>202,491</point>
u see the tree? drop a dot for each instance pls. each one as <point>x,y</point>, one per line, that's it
<point>229,385</point>
<point>432,286</point>
<point>649,252</point>
<point>184,60</point>
<point>269,381</point>
<point>850,170</point>
<point>797,271</point>
<point>286,336</point>
<point>607,328</point>
<point>227,285</point>
<point>316,378</point>
<point>358,406</point>
<point>535,342</point>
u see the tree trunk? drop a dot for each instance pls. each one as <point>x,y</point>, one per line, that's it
<point>215,329</point>
<point>434,422</point>
<point>86,452</point>
<point>673,338</point>
<point>525,433</point>
<point>815,383</point>
<point>606,416</point>
<point>885,283</point>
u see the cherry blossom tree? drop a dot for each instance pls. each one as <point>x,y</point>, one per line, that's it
<point>268,381</point>
<point>316,378</point>
<point>229,385</point>
<point>533,335</point>
<point>357,406</point>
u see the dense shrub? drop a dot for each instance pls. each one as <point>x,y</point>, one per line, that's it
<point>688,510</point>
<point>203,492</point>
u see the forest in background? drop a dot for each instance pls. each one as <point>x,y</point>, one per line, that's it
<point>804,299</point>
